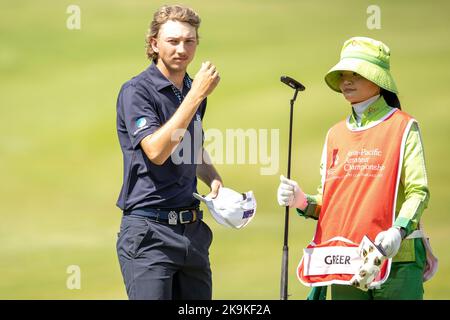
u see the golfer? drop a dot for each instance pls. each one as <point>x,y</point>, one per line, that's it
<point>374,183</point>
<point>163,242</point>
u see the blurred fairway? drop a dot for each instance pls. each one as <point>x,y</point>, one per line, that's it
<point>60,161</point>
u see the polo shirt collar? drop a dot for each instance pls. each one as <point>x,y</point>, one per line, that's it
<point>160,81</point>
<point>373,112</point>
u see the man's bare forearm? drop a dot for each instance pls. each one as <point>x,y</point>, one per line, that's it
<point>206,171</point>
<point>159,146</point>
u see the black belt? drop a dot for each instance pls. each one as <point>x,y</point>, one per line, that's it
<point>172,217</point>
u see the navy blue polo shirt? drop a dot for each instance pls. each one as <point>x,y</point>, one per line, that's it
<point>144,104</point>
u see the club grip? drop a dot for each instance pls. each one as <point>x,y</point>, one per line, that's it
<point>284,274</point>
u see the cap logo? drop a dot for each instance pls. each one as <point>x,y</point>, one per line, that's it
<point>247,214</point>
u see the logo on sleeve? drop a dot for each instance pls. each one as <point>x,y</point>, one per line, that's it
<point>141,124</point>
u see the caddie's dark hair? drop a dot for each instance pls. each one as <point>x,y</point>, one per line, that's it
<point>391,98</point>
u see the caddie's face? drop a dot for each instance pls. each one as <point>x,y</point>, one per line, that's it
<point>176,44</point>
<point>356,88</point>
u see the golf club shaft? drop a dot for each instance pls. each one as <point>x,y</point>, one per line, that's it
<point>285,258</point>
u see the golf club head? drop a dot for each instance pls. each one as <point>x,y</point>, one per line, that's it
<point>294,84</point>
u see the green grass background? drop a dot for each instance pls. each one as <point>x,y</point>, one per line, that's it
<point>61,165</point>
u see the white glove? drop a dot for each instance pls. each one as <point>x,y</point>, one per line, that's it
<point>290,194</point>
<point>389,241</point>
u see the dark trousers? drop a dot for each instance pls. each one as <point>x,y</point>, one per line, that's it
<point>164,262</point>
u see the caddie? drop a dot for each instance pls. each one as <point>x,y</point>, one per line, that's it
<point>163,242</point>
<point>374,184</point>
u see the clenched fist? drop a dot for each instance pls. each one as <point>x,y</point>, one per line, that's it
<point>205,80</point>
<point>390,240</point>
<point>290,194</point>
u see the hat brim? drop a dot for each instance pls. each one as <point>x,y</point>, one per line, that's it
<point>199,197</point>
<point>381,77</point>
<point>210,205</point>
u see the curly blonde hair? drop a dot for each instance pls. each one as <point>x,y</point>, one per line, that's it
<point>164,14</point>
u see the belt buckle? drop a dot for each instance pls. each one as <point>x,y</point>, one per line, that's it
<point>194,216</point>
<point>173,217</point>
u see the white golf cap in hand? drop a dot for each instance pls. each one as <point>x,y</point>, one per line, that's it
<point>231,208</point>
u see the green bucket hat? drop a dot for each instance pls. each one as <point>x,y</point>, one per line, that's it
<point>367,57</point>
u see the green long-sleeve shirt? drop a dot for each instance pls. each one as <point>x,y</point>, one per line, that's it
<point>413,193</point>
